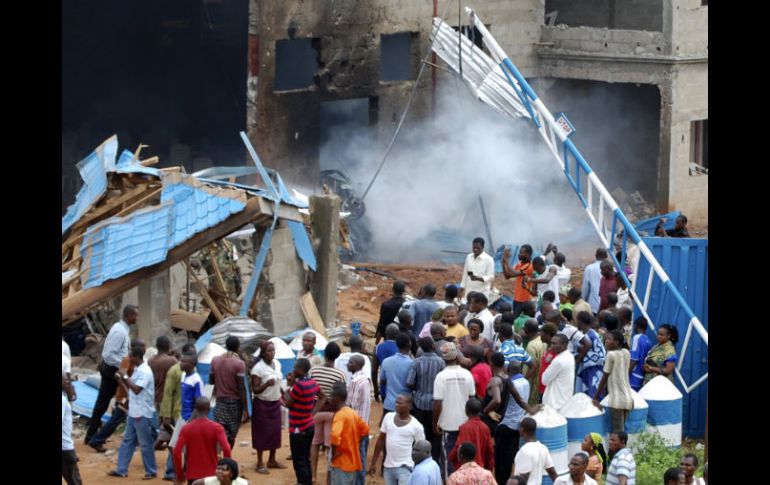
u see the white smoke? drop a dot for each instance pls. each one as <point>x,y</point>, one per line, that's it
<point>441,164</point>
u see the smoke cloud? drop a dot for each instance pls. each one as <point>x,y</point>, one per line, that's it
<point>426,196</point>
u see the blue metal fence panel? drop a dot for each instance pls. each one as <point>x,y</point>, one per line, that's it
<point>685,260</point>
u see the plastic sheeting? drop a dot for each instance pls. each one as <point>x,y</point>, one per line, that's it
<point>247,330</point>
<point>86,398</point>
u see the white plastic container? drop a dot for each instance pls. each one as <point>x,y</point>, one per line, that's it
<point>636,422</point>
<point>582,418</point>
<point>552,432</point>
<point>664,415</point>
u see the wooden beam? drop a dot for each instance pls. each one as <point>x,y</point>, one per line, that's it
<point>135,205</point>
<point>252,213</point>
<point>149,161</point>
<point>217,274</point>
<point>205,294</point>
<point>108,206</point>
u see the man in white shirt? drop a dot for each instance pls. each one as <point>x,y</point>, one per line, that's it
<point>478,309</point>
<point>559,377</point>
<point>533,459</point>
<point>452,388</point>
<point>141,407</point>
<point>116,347</point>
<point>479,270</point>
<point>398,434</point>
<point>592,278</point>
<point>356,344</point>
<point>577,472</point>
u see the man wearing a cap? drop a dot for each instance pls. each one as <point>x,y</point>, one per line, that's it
<point>451,390</point>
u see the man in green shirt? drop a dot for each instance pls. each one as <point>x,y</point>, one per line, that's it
<point>171,405</point>
<point>528,309</point>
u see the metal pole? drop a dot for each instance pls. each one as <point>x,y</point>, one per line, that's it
<point>486,223</point>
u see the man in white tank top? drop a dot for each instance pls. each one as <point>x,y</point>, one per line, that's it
<point>547,280</point>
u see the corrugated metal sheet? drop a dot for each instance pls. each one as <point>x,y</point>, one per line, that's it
<point>127,164</point>
<point>686,262</point>
<point>120,246</point>
<point>196,209</point>
<point>93,171</point>
<point>648,225</point>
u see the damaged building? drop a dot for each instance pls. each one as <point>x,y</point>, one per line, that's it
<point>293,76</point>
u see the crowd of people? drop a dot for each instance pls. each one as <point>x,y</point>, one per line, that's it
<point>456,378</point>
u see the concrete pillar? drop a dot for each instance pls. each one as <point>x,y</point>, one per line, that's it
<point>154,307</point>
<point>325,222</point>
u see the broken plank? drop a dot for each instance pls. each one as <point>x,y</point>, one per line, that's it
<point>149,161</point>
<point>310,310</point>
<point>135,205</point>
<point>217,273</point>
<point>205,294</point>
<point>109,205</point>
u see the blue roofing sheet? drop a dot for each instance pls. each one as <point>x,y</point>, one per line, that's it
<point>127,164</point>
<point>196,209</point>
<point>122,245</point>
<point>302,243</point>
<point>93,171</point>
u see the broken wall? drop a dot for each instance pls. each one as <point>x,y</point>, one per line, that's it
<point>283,281</point>
<point>284,125</point>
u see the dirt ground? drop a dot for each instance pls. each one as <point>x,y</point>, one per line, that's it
<point>94,466</point>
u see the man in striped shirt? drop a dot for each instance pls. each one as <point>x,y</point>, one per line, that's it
<point>326,376</point>
<point>301,399</point>
<point>422,374</point>
<point>622,470</point>
<point>359,399</point>
<point>510,350</point>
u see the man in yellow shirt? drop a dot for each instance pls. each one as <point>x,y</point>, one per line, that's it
<point>347,431</point>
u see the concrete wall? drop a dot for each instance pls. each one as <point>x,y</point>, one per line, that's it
<point>283,282</point>
<point>690,28</point>
<point>604,41</point>
<point>689,193</point>
<point>611,14</point>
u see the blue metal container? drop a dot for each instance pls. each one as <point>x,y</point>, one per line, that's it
<point>685,260</point>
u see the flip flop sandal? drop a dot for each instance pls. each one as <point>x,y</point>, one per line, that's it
<point>263,471</point>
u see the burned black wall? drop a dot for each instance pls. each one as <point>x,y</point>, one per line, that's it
<point>168,74</point>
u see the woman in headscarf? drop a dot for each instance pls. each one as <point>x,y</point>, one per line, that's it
<point>266,379</point>
<point>597,457</point>
<point>661,359</point>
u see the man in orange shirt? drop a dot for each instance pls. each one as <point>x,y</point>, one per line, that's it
<point>521,292</point>
<point>347,431</point>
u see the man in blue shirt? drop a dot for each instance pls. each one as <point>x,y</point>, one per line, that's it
<point>384,350</point>
<point>422,309</point>
<point>640,346</point>
<point>395,371</point>
<point>426,470</point>
<point>116,347</point>
<point>591,280</point>
<point>509,349</point>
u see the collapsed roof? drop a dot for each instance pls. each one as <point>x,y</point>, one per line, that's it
<point>130,221</point>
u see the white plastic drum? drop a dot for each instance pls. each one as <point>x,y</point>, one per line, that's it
<point>582,418</point>
<point>636,422</point>
<point>664,415</point>
<point>552,432</point>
